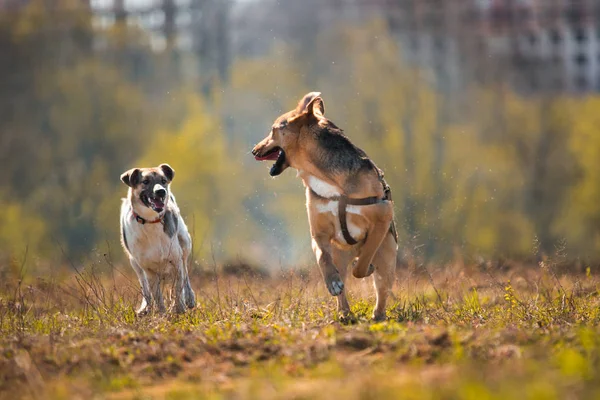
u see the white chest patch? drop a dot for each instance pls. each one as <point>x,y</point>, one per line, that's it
<point>323,188</point>
<point>149,244</point>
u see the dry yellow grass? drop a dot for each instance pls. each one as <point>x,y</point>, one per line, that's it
<point>452,332</point>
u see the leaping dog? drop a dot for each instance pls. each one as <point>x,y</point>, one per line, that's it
<point>349,204</point>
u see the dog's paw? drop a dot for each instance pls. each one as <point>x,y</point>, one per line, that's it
<point>142,312</point>
<point>335,285</point>
<point>356,273</point>
<point>161,310</point>
<point>180,308</point>
<point>379,316</point>
<point>347,318</point>
<point>190,300</point>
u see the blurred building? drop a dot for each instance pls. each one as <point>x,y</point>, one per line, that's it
<point>538,45</point>
<point>555,43</point>
<point>198,27</point>
<point>8,4</point>
<point>168,21</point>
<point>14,4</point>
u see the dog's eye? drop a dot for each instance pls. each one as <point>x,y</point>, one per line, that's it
<point>164,181</point>
<point>145,181</point>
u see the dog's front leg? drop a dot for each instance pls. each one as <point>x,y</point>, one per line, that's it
<point>146,293</point>
<point>322,249</point>
<point>341,259</point>
<point>157,293</point>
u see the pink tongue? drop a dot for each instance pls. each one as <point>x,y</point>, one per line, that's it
<point>273,156</point>
<point>158,204</point>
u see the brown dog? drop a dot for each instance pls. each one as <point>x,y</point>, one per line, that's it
<point>349,204</point>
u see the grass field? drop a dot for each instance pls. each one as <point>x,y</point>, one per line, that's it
<point>455,332</point>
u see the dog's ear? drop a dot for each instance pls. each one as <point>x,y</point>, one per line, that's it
<point>316,107</point>
<point>168,171</point>
<point>305,101</point>
<point>131,177</point>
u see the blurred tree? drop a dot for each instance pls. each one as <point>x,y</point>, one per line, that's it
<point>211,33</point>
<point>72,120</point>
<point>579,220</point>
<point>207,180</point>
<point>485,171</point>
<point>535,134</point>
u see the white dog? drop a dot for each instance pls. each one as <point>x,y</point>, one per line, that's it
<point>155,237</point>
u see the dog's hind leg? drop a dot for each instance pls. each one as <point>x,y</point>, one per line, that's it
<point>146,293</point>
<point>341,259</point>
<point>189,296</point>
<point>180,281</point>
<point>322,249</point>
<point>383,278</point>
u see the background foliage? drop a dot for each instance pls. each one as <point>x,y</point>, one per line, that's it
<point>486,171</point>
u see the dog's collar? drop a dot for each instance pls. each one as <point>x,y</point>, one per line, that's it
<point>145,221</point>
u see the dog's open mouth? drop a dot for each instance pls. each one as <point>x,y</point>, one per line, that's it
<point>270,155</point>
<point>276,154</point>
<point>155,203</point>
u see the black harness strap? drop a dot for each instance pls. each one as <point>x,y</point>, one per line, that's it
<point>388,196</point>
<point>344,201</point>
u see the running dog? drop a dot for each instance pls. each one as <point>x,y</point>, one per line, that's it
<point>155,237</point>
<point>349,204</point>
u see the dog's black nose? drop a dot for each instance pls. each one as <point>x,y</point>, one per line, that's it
<point>160,192</point>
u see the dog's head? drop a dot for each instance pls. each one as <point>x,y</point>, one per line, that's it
<point>150,186</point>
<point>283,140</point>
